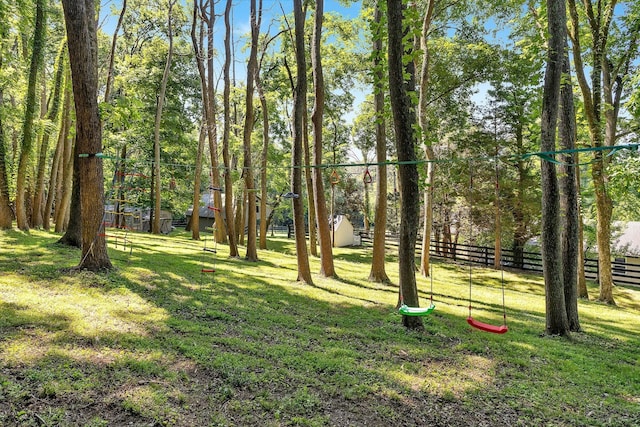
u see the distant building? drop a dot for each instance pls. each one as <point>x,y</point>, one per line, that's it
<point>629,240</point>
<point>342,231</point>
<point>206,212</point>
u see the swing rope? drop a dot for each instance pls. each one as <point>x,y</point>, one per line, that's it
<point>501,329</point>
<point>405,310</point>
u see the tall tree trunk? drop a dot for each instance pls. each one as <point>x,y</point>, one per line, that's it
<point>228,181</point>
<point>378,272</point>
<point>599,25</point>
<point>404,119</point>
<point>208,96</point>
<point>67,178</point>
<point>308,175</point>
<point>263,161</point>
<point>569,196</point>
<point>37,58</point>
<point>70,214</point>
<point>155,228</point>
<point>212,129</point>
<point>299,101</point>
<point>112,53</point>
<point>583,292</point>
<point>39,201</point>
<point>252,68</point>
<point>83,49</point>
<point>195,213</point>
<point>69,185</point>
<point>324,236</point>
<point>58,157</point>
<point>6,216</point>
<point>428,148</point>
<point>556,314</point>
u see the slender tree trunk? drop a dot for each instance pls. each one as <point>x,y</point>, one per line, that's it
<point>556,314</point>
<point>112,53</point>
<point>252,68</point>
<point>427,146</point>
<point>404,119</point>
<point>208,96</point>
<point>263,162</point>
<point>155,228</point>
<point>300,96</point>
<point>69,184</point>
<point>58,157</point>
<point>324,235</point>
<point>39,200</point>
<point>569,196</point>
<point>212,129</point>
<point>226,131</point>
<point>378,272</point>
<point>308,175</point>
<point>6,215</point>
<point>583,292</point>
<point>195,213</point>
<point>83,48</point>
<point>70,213</point>
<point>592,99</point>
<point>28,133</point>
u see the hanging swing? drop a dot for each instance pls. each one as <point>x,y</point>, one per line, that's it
<point>405,310</point>
<point>494,329</point>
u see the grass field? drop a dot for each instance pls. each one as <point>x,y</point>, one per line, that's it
<point>155,342</point>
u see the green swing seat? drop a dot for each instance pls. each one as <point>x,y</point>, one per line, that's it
<point>415,311</point>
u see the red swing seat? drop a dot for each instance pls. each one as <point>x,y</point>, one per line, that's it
<point>487,327</point>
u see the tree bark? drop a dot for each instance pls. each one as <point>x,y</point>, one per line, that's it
<point>308,175</point>
<point>69,194</point>
<point>264,222</point>
<point>428,148</point>
<point>208,97</point>
<point>378,272</point>
<point>28,132</point>
<point>252,67</point>
<point>299,104</point>
<point>592,99</point>
<point>155,228</point>
<point>195,213</point>
<point>324,235</point>
<point>83,47</point>
<point>569,196</point>
<point>6,215</point>
<point>404,119</point>
<point>71,213</point>
<point>39,200</point>
<point>226,131</point>
<point>556,314</point>
<point>58,159</point>
<point>583,292</point>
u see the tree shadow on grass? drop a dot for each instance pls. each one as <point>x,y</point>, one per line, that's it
<point>251,349</point>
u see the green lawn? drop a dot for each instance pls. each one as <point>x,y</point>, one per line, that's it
<point>155,342</point>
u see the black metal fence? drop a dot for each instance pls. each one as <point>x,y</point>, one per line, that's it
<point>626,271</point>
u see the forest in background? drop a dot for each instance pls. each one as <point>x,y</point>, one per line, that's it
<point>165,73</point>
